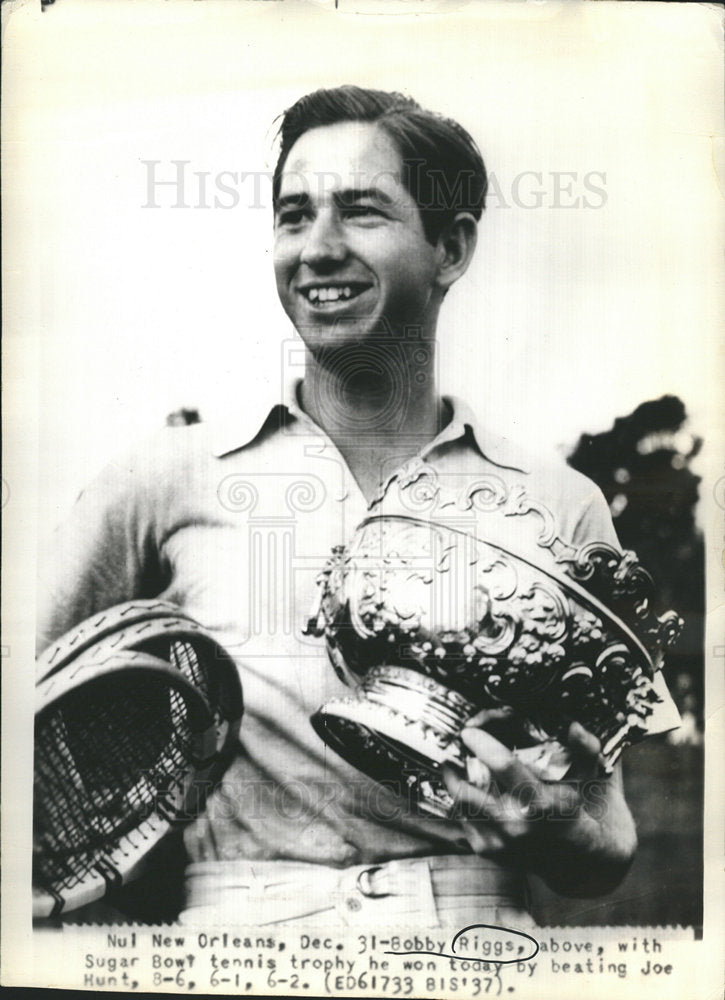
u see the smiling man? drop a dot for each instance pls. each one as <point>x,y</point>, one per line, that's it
<point>376,206</point>
<point>362,270</point>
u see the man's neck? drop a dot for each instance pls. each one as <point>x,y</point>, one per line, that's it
<point>379,406</point>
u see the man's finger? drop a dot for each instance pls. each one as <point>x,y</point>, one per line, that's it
<point>467,799</point>
<point>586,752</point>
<point>487,715</point>
<point>510,814</point>
<point>504,766</point>
<point>477,773</point>
<point>581,739</point>
<point>483,838</point>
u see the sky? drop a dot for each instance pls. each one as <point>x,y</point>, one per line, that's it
<point>594,284</point>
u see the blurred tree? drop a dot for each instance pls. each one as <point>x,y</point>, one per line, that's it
<point>642,465</point>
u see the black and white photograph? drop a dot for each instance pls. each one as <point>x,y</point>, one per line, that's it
<point>363,497</point>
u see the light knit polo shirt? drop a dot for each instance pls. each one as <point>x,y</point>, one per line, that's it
<point>234,524</point>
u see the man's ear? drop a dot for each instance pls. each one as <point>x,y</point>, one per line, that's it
<point>455,247</point>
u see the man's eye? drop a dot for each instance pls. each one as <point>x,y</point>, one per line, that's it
<point>363,212</point>
<point>291,217</point>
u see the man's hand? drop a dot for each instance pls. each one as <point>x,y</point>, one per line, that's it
<point>577,834</point>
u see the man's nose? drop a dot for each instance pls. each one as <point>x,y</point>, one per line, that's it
<point>325,242</point>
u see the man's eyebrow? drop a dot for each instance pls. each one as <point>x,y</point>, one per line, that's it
<point>350,195</point>
<point>299,200</point>
<point>344,198</point>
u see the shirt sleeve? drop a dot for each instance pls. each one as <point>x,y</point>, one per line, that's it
<point>594,522</point>
<point>103,554</point>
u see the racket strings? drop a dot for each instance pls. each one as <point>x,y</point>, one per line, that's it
<point>104,760</point>
<point>198,665</point>
<point>184,656</point>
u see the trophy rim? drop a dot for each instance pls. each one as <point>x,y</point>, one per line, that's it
<point>563,580</point>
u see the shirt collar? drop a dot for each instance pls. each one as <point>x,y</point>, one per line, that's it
<point>237,429</point>
<point>496,447</point>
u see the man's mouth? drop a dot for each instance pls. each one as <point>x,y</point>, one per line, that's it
<point>323,295</point>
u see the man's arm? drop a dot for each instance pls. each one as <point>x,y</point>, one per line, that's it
<point>104,553</point>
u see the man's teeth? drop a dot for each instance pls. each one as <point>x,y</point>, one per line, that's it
<point>330,294</point>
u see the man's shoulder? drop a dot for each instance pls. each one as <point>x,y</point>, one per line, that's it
<point>154,464</point>
<point>536,468</point>
<point>167,449</point>
<point>176,461</point>
<point>577,505</point>
<point>551,471</point>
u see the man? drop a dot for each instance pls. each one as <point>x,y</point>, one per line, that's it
<point>376,206</point>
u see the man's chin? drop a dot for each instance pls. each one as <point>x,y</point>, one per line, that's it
<point>341,337</point>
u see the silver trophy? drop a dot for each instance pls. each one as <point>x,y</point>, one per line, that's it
<point>430,618</point>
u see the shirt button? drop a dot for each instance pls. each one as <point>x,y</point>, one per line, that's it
<point>341,495</point>
<point>354,904</point>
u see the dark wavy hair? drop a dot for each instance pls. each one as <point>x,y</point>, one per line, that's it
<point>442,166</point>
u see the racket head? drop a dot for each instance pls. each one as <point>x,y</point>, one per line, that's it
<point>137,714</point>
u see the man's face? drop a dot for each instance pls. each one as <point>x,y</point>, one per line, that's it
<point>351,258</point>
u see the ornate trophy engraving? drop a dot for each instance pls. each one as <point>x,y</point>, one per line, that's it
<point>429,623</point>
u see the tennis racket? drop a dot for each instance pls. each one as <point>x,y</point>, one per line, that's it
<point>137,713</point>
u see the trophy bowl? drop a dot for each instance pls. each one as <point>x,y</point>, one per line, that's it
<point>429,625</point>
